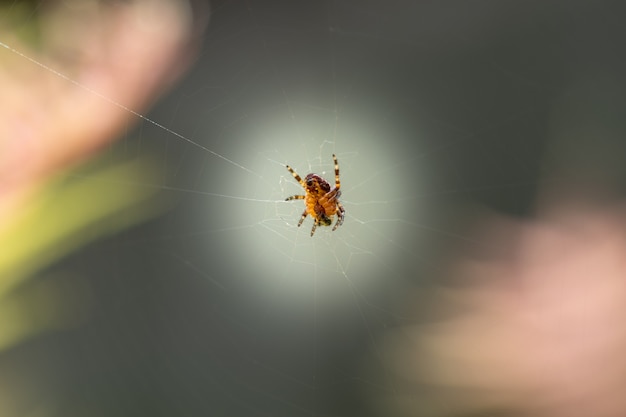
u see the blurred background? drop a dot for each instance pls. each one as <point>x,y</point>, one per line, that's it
<point>158,270</point>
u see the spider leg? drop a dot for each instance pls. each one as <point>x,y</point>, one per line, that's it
<point>337,182</point>
<point>295,197</point>
<point>341,214</point>
<point>302,218</point>
<point>296,176</point>
<point>314,227</point>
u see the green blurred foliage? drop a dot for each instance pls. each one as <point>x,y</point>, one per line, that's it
<point>70,211</point>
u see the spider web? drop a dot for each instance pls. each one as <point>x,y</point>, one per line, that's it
<point>243,312</point>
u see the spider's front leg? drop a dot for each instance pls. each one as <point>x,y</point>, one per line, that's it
<point>295,197</point>
<point>296,176</point>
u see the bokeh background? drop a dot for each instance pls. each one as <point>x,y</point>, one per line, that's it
<point>220,305</point>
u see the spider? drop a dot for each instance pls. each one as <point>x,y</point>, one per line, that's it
<point>321,202</point>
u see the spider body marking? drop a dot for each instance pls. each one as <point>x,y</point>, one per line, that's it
<point>320,200</point>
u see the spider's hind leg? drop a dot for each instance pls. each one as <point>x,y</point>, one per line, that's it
<point>314,227</point>
<point>341,214</point>
<point>302,218</point>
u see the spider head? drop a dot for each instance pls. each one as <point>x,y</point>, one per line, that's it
<point>316,184</point>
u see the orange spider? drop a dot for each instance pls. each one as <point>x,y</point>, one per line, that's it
<point>321,202</point>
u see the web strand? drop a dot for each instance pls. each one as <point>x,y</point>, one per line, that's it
<point>125,108</point>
